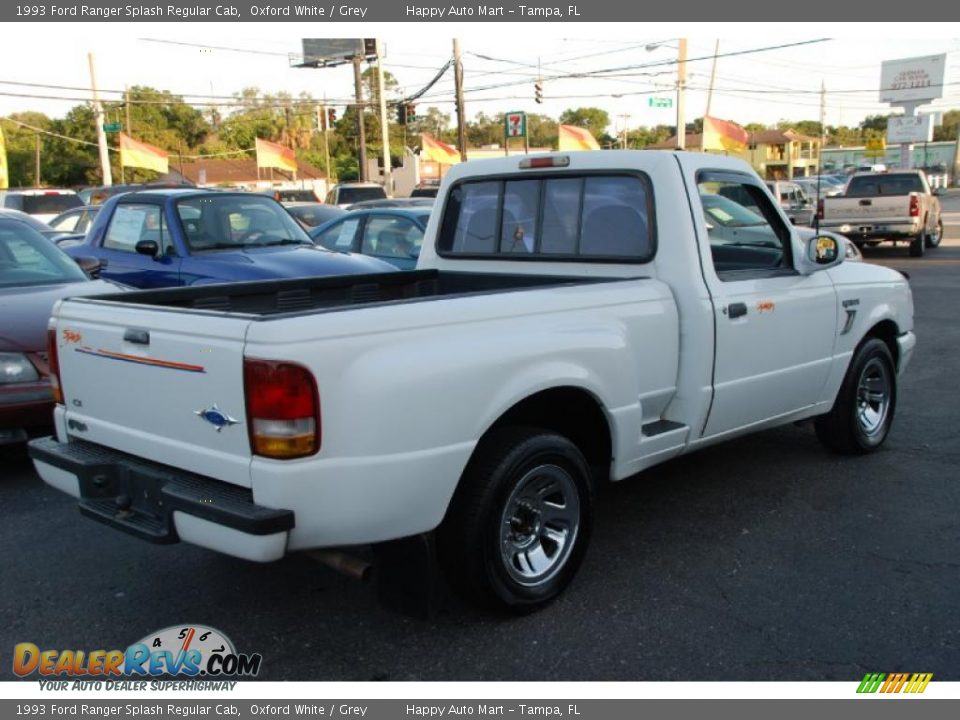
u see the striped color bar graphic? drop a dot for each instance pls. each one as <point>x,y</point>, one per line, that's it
<point>894,682</point>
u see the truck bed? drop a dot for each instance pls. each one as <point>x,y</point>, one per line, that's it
<point>282,298</point>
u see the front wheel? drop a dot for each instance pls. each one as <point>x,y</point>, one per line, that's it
<point>863,411</point>
<point>933,239</point>
<point>520,521</point>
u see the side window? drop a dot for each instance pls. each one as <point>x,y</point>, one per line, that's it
<point>389,237</point>
<point>132,223</point>
<point>747,236</point>
<point>340,236</point>
<point>602,217</point>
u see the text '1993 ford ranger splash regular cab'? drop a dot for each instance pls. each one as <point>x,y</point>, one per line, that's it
<point>572,320</point>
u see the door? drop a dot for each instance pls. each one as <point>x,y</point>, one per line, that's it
<point>131,223</point>
<point>775,328</point>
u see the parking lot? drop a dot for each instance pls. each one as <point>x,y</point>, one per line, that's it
<point>766,558</point>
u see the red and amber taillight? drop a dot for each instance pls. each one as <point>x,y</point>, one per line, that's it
<point>53,361</point>
<point>914,206</point>
<point>283,409</point>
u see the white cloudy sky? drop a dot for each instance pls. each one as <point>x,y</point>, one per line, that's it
<point>220,59</point>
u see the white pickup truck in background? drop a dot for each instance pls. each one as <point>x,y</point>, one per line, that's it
<point>573,320</point>
<point>886,207</point>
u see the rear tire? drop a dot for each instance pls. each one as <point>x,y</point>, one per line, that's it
<point>933,239</point>
<point>520,520</point>
<point>918,244</point>
<point>864,409</point>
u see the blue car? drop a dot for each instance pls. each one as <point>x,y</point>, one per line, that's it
<point>171,237</point>
<point>391,234</point>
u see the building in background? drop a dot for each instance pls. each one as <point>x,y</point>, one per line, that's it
<point>243,173</point>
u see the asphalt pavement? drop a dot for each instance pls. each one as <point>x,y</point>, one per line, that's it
<point>766,558</point>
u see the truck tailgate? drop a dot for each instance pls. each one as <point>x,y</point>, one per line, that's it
<point>156,384</point>
<point>890,208</point>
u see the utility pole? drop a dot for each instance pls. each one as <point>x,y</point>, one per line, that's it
<point>461,117</point>
<point>384,125</point>
<point>713,76</point>
<point>623,135</point>
<point>823,126</point>
<point>101,134</point>
<point>126,101</point>
<point>36,172</point>
<point>361,132</point>
<point>681,98</point>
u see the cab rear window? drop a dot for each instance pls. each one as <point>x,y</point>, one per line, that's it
<point>560,217</point>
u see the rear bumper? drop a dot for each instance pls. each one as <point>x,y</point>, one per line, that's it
<point>879,230</point>
<point>161,504</point>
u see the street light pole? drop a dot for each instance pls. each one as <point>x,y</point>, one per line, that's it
<point>384,124</point>
<point>101,133</point>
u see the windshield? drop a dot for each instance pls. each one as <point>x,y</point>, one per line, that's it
<point>52,204</point>
<point>28,258</point>
<point>728,213</point>
<point>350,195</point>
<point>235,222</point>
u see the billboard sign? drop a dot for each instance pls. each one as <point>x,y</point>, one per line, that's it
<point>324,52</point>
<point>912,79</point>
<point>910,129</point>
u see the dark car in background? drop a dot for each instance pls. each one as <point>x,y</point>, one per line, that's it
<point>99,195</point>
<point>34,274</point>
<point>393,235</point>
<point>312,214</point>
<point>392,203</point>
<point>168,238</point>
<point>425,190</point>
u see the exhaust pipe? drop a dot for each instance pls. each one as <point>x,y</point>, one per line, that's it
<point>349,565</point>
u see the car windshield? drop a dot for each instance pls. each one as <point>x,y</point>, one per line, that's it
<point>350,195</point>
<point>728,213</point>
<point>28,258</point>
<point>224,222</point>
<point>50,204</point>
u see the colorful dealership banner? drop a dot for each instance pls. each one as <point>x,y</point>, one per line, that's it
<point>134,153</point>
<point>438,151</point>
<point>574,138</point>
<point>723,135</point>
<point>272,155</point>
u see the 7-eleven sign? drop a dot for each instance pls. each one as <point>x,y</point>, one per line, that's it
<point>515,124</point>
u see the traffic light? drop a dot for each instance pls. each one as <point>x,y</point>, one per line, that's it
<point>331,117</point>
<point>411,111</point>
<point>402,114</point>
<point>538,92</point>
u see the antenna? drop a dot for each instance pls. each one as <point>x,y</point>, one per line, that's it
<point>823,113</point>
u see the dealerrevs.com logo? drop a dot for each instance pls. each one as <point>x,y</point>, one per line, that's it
<point>189,651</point>
<point>888,683</point>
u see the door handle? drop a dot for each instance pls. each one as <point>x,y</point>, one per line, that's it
<point>735,310</point>
<point>139,337</point>
<point>866,202</point>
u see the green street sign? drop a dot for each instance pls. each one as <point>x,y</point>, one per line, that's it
<point>660,102</point>
<point>112,127</point>
<point>515,124</point>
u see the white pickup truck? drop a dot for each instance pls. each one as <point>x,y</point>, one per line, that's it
<point>886,206</point>
<point>572,321</point>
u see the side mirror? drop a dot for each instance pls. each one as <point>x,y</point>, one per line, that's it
<point>148,247</point>
<point>940,191</point>
<point>90,265</point>
<point>825,250</point>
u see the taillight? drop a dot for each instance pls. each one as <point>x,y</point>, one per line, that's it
<point>53,361</point>
<point>820,209</point>
<point>283,409</point>
<point>545,162</point>
<point>914,206</point>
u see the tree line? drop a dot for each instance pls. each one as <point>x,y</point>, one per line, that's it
<point>165,120</point>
